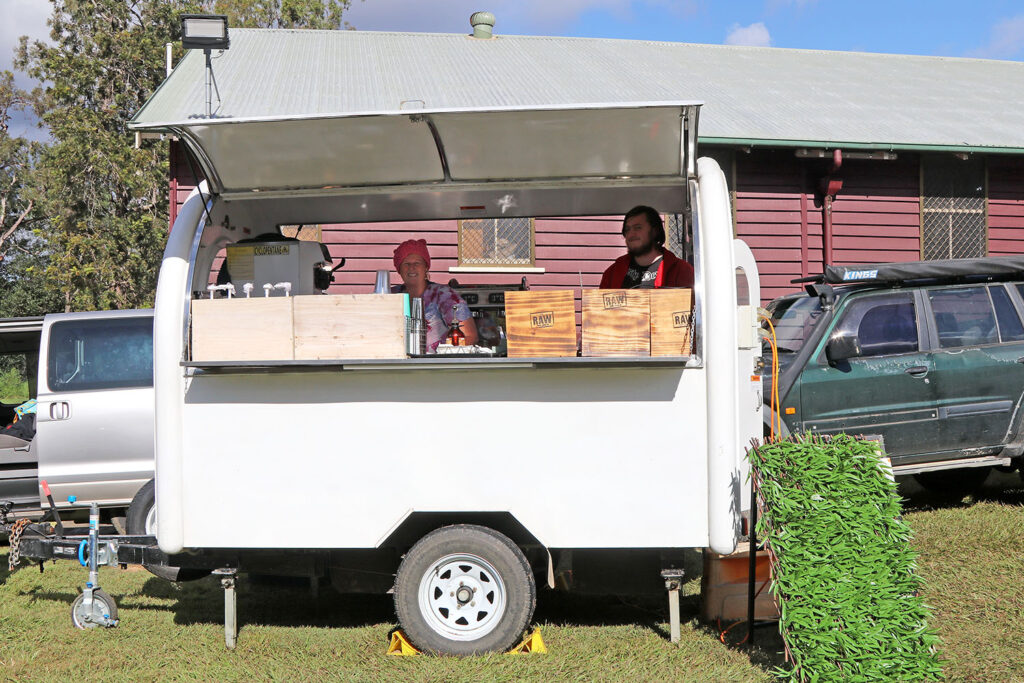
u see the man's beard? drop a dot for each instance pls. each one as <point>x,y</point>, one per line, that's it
<point>644,248</point>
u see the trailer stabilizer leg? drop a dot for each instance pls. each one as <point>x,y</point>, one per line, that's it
<point>673,583</point>
<point>228,578</point>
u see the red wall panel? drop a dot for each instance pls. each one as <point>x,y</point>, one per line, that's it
<point>1005,206</point>
<point>875,217</point>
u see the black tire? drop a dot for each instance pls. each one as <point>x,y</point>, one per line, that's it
<point>489,567</point>
<point>102,605</point>
<point>953,485</point>
<point>138,514</point>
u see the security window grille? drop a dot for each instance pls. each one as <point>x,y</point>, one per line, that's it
<point>953,220</point>
<point>496,242</point>
<point>676,232</point>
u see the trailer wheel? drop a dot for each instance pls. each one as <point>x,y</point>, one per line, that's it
<point>141,520</point>
<point>464,590</point>
<point>103,608</point>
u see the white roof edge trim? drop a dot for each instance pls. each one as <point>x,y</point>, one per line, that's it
<point>134,125</point>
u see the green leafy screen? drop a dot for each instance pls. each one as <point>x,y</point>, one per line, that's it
<point>843,570</point>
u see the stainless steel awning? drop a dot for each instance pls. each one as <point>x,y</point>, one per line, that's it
<point>326,154</point>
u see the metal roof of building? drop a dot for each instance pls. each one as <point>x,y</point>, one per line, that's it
<point>752,95</point>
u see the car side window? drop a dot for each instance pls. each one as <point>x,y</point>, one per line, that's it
<point>100,354</point>
<point>885,325</point>
<point>963,317</point>
<point>1010,328</point>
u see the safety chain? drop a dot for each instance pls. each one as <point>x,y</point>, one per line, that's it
<point>15,543</point>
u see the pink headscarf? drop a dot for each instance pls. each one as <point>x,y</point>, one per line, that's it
<point>410,247</point>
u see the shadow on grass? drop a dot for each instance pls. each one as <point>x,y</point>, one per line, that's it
<point>1000,487</point>
<point>767,651</point>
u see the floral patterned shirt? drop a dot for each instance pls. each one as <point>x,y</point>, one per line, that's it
<point>440,303</point>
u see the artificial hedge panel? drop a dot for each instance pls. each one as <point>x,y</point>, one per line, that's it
<point>844,575</point>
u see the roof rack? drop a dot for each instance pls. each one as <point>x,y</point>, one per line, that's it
<point>1001,267</point>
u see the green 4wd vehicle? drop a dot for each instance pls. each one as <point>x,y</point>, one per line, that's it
<point>928,356</point>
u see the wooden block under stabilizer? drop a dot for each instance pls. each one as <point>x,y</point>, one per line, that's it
<point>540,324</point>
<point>616,322</point>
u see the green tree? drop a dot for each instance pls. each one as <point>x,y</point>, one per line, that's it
<point>104,200</point>
<point>22,252</point>
<point>323,14</point>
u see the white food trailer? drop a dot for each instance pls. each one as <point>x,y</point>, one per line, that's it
<point>588,460</point>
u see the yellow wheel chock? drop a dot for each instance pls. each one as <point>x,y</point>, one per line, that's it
<point>400,645</point>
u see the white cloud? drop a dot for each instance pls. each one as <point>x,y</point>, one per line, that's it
<point>536,17</point>
<point>1006,40</point>
<point>755,35</point>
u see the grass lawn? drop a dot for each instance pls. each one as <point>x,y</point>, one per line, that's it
<point>971,556</point>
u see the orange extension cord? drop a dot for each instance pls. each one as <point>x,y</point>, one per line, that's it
<point>773,396</point>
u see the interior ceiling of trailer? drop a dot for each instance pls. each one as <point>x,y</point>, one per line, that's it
<point>434,148</point>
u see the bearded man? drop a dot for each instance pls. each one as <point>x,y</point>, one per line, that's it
<point>647,264</point>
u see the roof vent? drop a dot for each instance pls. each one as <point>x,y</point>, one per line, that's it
<point>483,24</point>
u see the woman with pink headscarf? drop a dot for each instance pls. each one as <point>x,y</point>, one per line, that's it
<point>441,304</point>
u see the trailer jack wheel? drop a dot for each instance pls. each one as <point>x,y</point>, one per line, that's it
<point>101,610</point>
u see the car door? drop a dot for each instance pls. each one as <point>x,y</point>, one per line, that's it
<point>885,390</point>
<point>19,359</point>
<point>978,366</point>
<point>95,414</point>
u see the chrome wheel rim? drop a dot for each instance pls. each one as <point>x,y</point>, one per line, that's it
<point>462,597</point>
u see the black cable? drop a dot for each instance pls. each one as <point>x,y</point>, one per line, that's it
<point>195,177</point>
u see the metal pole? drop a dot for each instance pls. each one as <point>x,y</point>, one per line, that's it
<point>230,611</point>
<point>209,84</point>
<point>752,566</point>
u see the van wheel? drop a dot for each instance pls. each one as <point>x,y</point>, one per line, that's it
<point>464,590</point>
<point>141,521</point>
<point>954,484</point>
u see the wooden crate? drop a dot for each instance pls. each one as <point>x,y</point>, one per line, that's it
<point>242,329</point>
<point>347,326</point>
<point>540,324</point>
<point>616,322</point>
<point>670,321</point>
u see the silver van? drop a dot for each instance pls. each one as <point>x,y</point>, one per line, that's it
<point>92,376</point>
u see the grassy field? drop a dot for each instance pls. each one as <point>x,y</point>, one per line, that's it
<point>971,556</point>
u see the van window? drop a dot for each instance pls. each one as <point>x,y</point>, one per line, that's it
<point>100,354</point>
<point>963,317</point>
<point>1010,328</point>
<point>885,325</point>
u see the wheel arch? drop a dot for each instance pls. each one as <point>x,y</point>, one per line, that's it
<point>419,524</point>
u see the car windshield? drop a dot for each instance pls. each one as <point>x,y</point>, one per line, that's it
<point>794,320</point>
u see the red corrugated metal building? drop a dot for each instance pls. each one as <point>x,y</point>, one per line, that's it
<point>877,216</point>
<point>912,185</point>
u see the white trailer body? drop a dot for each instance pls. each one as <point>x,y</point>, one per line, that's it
<point>595,453</point>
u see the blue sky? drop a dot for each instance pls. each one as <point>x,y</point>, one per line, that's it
<point>983,28</point>
<point>992,29</point>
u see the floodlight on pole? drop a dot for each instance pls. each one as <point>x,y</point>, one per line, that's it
<point>206,32</point>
